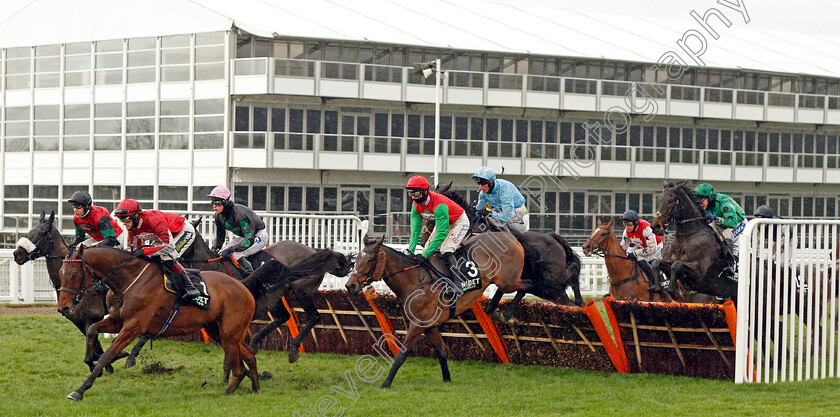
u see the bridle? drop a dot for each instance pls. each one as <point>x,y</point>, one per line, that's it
<point>40,248</point>
<point>669,218</point>
<point>94,278</point>
<point>600,251</point>
<point>378,269</point>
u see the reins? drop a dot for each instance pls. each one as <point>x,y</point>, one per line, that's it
<point>600,251</point>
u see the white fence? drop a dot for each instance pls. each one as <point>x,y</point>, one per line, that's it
<point>787,331</point>
<point>343,233</point>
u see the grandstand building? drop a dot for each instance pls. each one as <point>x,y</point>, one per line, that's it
<point>315,107</point>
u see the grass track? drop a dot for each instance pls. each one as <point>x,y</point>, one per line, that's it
<point>40,363</point>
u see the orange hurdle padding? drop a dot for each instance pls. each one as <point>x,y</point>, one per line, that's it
<point>292,323</point>
<point>732,322</point>
<point>616,330</point>
<point>618,360</point>
<point>490,330</point>
<point>384,323</point>
<point>205,336</point>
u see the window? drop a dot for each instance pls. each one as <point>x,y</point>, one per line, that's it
<point>18,68</point>
<point>107,126</point>
<point>142,60</point>
<point>109,62</point>
<point>209,123</point>
<point>47,66</point>
<point>76,127</point>
<point>174,124</point>
<point>77,64</point>
<point>209,56</point>
<point>17,129</point>
<point>175,58</point>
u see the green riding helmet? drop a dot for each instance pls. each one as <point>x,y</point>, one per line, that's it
<point>705,190</point>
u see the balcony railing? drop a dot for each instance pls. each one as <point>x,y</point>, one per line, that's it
<point>517,90</point>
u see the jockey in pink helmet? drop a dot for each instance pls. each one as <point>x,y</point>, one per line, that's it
<point>251,236</point>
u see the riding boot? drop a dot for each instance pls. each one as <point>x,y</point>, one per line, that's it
<point>730,259</point>
<point>649,277</point>
<point>245,266</point>
<point>190,291</point>
<point>451,272</point>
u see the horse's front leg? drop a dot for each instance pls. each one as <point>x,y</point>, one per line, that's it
<point>312,318</point>
<point>131,360</point>
<point>411,338</point>
<point>126,335</point>
<point>508,314</point>
<point>433,334</point>
<point>92,354</point>
<point>493,304</point>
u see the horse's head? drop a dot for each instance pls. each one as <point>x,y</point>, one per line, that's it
<point>72,277</point>
<point>670,208</point>
<point>343,264</point>
<point>37,243</point>
<point>598,239</point>
<point>370,264</point>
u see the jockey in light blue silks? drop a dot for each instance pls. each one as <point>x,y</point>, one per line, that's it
<point>500,199</point>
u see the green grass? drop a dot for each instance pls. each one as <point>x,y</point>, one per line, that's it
<point>40,363</point>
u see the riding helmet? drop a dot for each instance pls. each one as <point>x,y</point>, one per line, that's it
<point>83,198</point>
<point>630,216</point>
<point>221,193</point>
<point>705,190</point>
<point>484,173</point>
<point>129,208</point>
<point>418,188</point>
<point>765,212</point>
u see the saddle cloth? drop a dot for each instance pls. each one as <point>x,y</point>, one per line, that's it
<point>467,275</point>
<point>202,301</point>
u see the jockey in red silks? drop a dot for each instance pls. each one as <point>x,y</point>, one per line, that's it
<point>451,224</point>
<point>646,245</point>
<point>94,221</point>
<point>171,234</point>
<point>251,236</point>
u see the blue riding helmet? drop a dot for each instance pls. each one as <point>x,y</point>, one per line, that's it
<point>630,216</point>
<point>485,173</point>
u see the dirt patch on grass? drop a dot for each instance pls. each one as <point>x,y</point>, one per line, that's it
<point>29,309</point>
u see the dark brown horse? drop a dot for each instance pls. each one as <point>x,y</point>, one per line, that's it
<point>422,299</point>
<point>44,240</point>
<point>626,280</point>
<point>274,258</point>
<point>694,258</point>
<point>551,265</point>
<point>143,306</point>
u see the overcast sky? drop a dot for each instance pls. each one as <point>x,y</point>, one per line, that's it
<point>810,16</point>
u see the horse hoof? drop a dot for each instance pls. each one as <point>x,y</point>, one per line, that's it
<point>497,317</point>
<point>294,355</point>
<point>109,369</point>
<point>131,361</point>
<point>75,396</point>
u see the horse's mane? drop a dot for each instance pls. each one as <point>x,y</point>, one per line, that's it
<point>273,275</point>
<point>691,196</point>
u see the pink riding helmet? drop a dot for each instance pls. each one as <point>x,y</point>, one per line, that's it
<point>221,192</point>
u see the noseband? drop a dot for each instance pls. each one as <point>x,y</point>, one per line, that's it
<point>378,268</point>
<point>39,250</point>
<point>82,291</point>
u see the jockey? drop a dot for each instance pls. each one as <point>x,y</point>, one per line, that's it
<point>646,245</point>
<point>249,229</point>
<point>501,200</point>
<point>171,233</point>
<point>727,219</point>
<point>451,224</point>
<point>94,221</point>
<point>765,212</point>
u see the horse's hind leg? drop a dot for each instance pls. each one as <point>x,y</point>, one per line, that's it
<point>281,315</point>
<point>248,356</point>
<point>508,314</point>
<point>433,334</point>
<point>312,318</point>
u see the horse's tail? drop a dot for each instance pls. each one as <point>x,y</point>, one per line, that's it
<point>273,275</point>
<point>573,263</point>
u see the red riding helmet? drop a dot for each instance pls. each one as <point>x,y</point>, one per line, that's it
<point>128,209</point>
<point>417,188</point>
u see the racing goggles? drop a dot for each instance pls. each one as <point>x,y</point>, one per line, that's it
<point>217,202</point>
<point>415,192</point>
<point>482,181</point>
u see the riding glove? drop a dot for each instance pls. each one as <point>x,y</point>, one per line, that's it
<point>139,252</point>
<point>632,255</point>
<point>418,258</point>
<point>226,252</point>
<point>483,212</point>
<point>710,216</point>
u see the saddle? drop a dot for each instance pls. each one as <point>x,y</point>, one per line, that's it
<point>202,301</point>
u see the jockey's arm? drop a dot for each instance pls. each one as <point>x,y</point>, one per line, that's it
<point>220,235</point>
<point>729,218</point>
<point>625,242</point>
<point>650,240</point>
<point>505,213</point>
<point>105,227</point>
<point>247,235</point>
<point>441,230</point>
<point>416,225</point>
<point>162,232</point>
<point>80,236</point>
<point>482,201</point>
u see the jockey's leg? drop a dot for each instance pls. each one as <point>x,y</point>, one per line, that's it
<point>652,279</point>
<point>189,289</point>
<point>260,241</point>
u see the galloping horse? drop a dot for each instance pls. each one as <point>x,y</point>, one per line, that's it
<point>89,305</point>
<point>551,265</point>
<point>143,305</point>
<point>694,258</point>
<point>285,253</point>
<point>626,280</point>
<point>417,292</point>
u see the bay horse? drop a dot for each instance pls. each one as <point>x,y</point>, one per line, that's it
<point>626,279</point>
<point>44,240</point>
<point>551,265</point>
<point>143,306</point>
<point>420,295</point>
<point>695,257</point>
